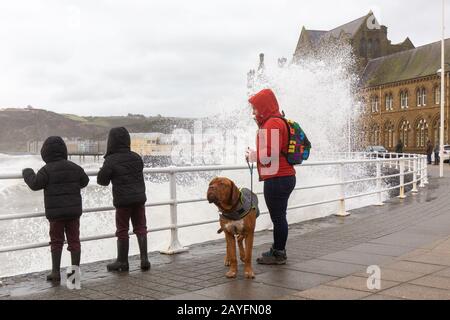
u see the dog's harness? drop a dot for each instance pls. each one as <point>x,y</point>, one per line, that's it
<point>247,201</point>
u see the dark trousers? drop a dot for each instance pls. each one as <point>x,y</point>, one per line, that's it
<point>429,158</point>
<point>436,158</point>
<point>276,193</point>
<point>137,215</point>
<point>72,230</point>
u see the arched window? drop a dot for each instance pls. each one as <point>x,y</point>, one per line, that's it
<point>424,97</point>
<point>404,99</point>
<point>370,48</point>
<point>421,133</point>
<point>419,97</point>
<point>388,101</point>
<point>437,95</point>
<point>376,48</point>
<point>374,102</point>
<point>389,134</point>
<point>375,135</point>
<point>403,131</point>
<point>436,129</point>
<point>363,48</point>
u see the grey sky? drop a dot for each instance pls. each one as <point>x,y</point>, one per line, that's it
<point>169,57</point>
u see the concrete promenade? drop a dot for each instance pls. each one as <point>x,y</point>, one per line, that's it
<point>408,239</point>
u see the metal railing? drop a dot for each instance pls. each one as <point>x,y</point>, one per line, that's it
<point>407,164</point>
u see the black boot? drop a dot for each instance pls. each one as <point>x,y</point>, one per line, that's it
<point>121,264</point>
<point>142,241</point>
<point>273,256</point>
<point>75,258</point>
<point>55,275</point>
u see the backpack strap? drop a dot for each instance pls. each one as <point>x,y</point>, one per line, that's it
<point>288,127</point>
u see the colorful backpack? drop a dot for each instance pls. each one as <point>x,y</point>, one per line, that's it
<point>298,144</point>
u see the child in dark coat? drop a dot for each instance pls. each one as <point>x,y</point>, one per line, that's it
<point>124,169</point>
<point>62,181</point>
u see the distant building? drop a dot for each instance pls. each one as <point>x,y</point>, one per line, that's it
<point>399,87</point>
<point>401,98</point>
<point>74,146</point>
<point>367,38</point>
<point>151,144</point>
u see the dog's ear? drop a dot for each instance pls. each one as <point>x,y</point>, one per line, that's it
<point>234,196</point>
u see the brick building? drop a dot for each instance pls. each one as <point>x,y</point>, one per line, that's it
<point>401,98</point>
<point>400,84</point>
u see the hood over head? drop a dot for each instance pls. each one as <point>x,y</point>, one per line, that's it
<point>54,149</point>
<point>266,105</point>
<point>118,141</point>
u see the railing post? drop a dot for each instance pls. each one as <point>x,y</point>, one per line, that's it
<point>342,212</point>
<point>402,179</point>
<point>415,162</point>
<point>421,170</point>
<point>379,200</point>
<point>425,163</point>
<point>175,245</point>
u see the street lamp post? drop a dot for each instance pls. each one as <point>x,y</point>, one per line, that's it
<point>441,131</point>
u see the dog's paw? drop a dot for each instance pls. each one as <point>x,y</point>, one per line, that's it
<point>249,274</point>
<point>231,274</point>
<point>226,262</point>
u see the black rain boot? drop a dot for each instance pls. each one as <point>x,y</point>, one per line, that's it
<point>273,256</point>
<point>75,258</point>
<point>145,263</point>
<point>121,264</point>
<point>55,275</point>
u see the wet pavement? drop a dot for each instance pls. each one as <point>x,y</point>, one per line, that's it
<point>408,239</point>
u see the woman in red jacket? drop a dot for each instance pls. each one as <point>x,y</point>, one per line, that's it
<point>278,175</point>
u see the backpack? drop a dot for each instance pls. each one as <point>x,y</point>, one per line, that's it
<point>299,146</point>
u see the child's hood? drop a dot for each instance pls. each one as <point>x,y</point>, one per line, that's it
<point>118,141</point>
<point>54,149</point>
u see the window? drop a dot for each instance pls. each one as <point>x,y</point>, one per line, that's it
<point>389,134</point>
<point>388,101</point>
<point>404,132</point>
<point>424,97</point>
<point>375,135</point>
<point>437,95</point>
<point>436,130</point>
<point>421,133</point>
<point>419,97</point>
<point>404,99</point>
<point>363,48</point>
<point>374,102</point>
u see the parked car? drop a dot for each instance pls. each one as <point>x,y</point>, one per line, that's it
<point>446,157</point>
<point>378,151</point>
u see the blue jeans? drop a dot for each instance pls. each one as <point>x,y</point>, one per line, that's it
<point>276,193</point>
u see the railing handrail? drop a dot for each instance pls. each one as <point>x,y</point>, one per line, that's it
<point>419,168</point>
<point>184,169</point>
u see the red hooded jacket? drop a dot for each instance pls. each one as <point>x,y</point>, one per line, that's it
<point>270,166</point>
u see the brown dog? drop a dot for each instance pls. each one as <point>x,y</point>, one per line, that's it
<point>236,221</point>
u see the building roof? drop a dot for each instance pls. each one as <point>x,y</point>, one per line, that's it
<point>349,28</point>
<point>315,35</point>
<point>410,64</point>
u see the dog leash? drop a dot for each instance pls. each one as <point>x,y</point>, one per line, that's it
<point>251,182</point>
